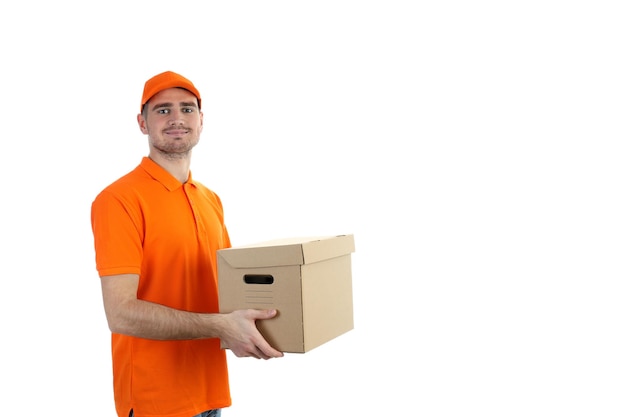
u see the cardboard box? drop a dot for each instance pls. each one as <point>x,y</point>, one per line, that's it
<point>308,280</point>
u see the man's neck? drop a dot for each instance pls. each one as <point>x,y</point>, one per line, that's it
<point>177,166</point>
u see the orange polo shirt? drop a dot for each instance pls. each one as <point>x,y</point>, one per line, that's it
<point>150,224</point>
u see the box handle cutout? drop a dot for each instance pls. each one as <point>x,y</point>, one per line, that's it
<point>258,279</point>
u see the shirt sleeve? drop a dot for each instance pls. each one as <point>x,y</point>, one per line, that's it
<point>118,233</point>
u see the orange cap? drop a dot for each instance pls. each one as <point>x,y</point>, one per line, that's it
<point>165,80</point>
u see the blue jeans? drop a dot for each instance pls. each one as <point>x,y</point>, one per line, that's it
<point>210,413</point>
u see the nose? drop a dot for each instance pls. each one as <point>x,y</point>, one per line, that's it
<point>176,118</point>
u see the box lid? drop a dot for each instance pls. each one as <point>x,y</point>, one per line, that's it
<point>289,251</point>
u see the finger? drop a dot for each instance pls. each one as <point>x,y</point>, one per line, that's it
<point>265,314</point>
<point>261,354</point>
<point>269,352</point>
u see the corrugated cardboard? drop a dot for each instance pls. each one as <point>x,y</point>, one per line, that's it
<point>308,280</point>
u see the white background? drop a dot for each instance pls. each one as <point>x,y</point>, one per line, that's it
<point>474,149</point>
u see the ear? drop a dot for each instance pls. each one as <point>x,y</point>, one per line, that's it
<point>142,124</point>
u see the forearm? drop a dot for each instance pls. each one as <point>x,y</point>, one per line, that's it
<point>149,320</point>
<point>128,315</point>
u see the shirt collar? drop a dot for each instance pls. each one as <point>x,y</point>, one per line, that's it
<point>161,175</point>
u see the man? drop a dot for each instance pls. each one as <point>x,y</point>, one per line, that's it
<point>156,233</point>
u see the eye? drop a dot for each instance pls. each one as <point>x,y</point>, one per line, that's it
<point>187,109</point>
<point>163,111</point>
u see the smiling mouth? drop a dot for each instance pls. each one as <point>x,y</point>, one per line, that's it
<point>176,132</point>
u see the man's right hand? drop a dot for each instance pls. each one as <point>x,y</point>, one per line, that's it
<point>243,338</point>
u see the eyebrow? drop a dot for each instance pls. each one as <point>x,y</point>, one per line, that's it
<point>182,104</point>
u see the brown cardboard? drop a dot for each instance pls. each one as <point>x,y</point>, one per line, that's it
<point>308,280</point>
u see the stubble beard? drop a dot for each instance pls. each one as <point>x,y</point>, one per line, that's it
<point>176,150</point>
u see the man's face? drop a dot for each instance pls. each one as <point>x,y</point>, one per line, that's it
<point>173,122</point>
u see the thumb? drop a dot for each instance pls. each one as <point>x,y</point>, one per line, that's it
<point>270,313</point>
